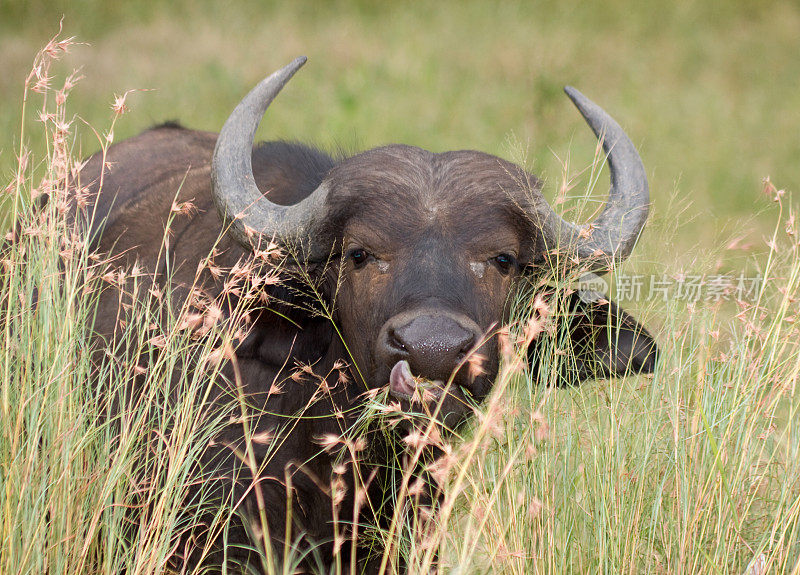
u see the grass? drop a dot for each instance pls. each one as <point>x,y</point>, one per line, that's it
<point>696,470</point>
<point>93,478</point>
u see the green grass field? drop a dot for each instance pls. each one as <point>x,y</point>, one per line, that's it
<point>707,90</point>
<point>696,470</point>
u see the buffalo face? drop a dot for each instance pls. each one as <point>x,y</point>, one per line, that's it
<point>427,268</point>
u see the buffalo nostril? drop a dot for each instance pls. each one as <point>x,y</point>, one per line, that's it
<point>394,342</point>
<point>468,344</point>
<point>466,347</point>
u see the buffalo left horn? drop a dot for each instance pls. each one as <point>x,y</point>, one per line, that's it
<point>610,238</point>
<point>251,217</point>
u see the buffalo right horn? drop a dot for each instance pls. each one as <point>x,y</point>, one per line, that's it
<point>251,217</point>
<point>610,238</point>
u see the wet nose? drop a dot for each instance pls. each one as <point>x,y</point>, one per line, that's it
<point>433,345</point>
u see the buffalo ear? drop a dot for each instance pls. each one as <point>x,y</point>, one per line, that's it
<point>600,340</point>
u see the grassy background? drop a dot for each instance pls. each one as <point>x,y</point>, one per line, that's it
<point>707,90</point>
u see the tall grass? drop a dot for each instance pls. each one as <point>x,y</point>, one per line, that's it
<point>693,470</point>
<point>96,458</point>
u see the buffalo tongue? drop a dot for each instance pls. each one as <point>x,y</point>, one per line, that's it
<point>400,379</point>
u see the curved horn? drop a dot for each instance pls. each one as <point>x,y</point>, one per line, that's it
<point>250,215</point>
<point>609,239</point>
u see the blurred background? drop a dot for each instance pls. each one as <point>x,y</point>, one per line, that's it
<point>708,91</point>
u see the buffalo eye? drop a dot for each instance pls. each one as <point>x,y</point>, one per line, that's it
<point>505,262</point>
<point>359,256</point>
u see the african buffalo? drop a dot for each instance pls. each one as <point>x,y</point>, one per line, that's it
<point>416,253</point>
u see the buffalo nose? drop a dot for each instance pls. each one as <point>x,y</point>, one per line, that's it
<point>432,344</point>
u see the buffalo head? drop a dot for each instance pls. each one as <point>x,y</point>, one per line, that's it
<point>427,249</point>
